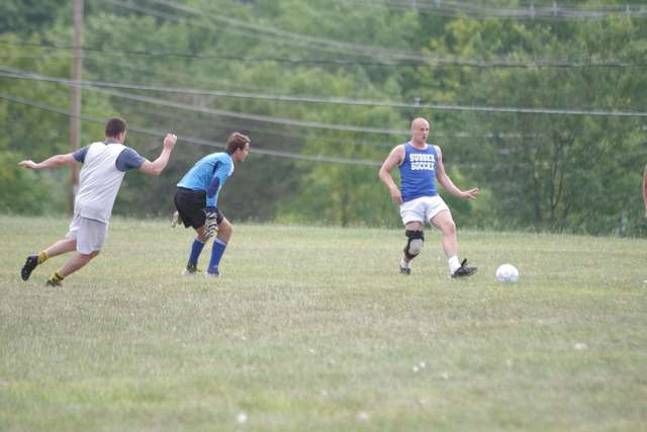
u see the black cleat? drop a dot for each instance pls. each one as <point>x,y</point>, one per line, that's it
<point>464,270</point>
<point>190,270</point>
<point>30,265</point>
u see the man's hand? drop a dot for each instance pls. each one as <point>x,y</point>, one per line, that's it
<point>396,196</point>
<point>470,194</point>
<point>211,223</point>
<point>169,141</point>
<point>29,164</point>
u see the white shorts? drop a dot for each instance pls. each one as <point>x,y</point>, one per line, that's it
<point>88,233</point>
<point>422,209</point>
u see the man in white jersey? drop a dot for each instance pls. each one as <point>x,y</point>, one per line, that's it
<point>421,164</point>
<point>104,166</point>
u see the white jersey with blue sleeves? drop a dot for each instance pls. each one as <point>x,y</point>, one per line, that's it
<point>209,174</point>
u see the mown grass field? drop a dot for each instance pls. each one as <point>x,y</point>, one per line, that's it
<point>314,329</point>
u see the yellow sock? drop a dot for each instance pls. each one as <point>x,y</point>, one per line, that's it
<point>42,257</point>
<point>56,277</point>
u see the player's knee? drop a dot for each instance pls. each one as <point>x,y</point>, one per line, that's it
<point>88,257</point>
<point>226,228</point>
<point>415,242</point>
<point>449,228</point>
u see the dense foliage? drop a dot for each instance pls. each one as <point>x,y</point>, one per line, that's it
<point>546,115</point>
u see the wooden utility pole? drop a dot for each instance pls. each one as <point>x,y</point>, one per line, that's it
<point>75,96</point>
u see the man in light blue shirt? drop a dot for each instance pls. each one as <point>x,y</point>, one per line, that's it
<point>196,200</point>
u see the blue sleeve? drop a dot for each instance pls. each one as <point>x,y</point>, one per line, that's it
<point>79,154</point>
<point>218,179</point>
<point>129,159</point>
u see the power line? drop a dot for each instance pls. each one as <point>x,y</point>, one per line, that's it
<point>431,61</point>
<point>196,140</point>
<point>553,12</point>
<point>331,45</point>
<point>10,73</point>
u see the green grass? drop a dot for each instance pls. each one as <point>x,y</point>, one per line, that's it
<point>314,329</point>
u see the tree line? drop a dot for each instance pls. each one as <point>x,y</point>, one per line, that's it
<point>547,116</point>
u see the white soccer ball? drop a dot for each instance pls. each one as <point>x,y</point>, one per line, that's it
<point>507,273</point>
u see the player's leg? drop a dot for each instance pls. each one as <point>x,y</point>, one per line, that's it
<point>76,262</point>
<point>190,206</point>
<point>415,241</point>
<point>444,222</point>
<point>68,244</point>
<point>60,247</point>
<point>225,230</point>
<point>412,218</point>
<point>88,235</point>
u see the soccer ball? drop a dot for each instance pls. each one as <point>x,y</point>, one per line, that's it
<point>507,273</point>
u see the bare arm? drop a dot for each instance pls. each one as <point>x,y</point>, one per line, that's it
<point>447,183</point>
<point>157,166</point>
<point>392,160</point>
<point>52,162</point>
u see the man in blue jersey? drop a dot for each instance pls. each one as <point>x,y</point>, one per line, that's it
<point>104,166</point>
<point>196,201</point>
<point>421,164</point>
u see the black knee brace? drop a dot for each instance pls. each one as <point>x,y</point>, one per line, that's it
<point>415,241</point>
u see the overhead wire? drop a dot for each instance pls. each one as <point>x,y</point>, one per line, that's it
<point>431,61</point>
<point>197,140</point>
<point>389,57</point>
<point>12,73</point>
<point>550,12</point>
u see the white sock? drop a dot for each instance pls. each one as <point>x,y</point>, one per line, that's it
<point>454,264</point>
<point>405,264</point>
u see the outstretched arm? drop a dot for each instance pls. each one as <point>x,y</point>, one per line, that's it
<point>52,162</point>
<point>394,158</point>
<point>448,184</point>
<point>157,166</point>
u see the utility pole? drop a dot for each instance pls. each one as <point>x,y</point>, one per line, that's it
<point>75,96</point>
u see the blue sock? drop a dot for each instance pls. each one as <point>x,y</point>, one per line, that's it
<point>196,249</point>
<point>216,253</point>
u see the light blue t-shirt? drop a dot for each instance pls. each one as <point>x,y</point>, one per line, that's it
<point>209,174</point>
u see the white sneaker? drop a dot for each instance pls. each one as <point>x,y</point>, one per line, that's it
<point>405,267</point>
<point>176,219</point>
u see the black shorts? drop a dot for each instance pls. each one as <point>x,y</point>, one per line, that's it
<point>190,204</point>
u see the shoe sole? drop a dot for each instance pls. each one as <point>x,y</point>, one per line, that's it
<point>465,275</point>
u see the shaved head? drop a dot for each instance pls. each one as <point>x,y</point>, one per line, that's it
<point>419,131</point>
<point>419,121</point>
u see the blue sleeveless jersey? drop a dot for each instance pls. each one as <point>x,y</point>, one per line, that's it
<point>418,172</point>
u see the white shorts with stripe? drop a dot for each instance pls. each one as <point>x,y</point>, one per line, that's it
<point>422,209</point>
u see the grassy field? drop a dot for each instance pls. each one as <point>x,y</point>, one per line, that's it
<point>314,329</point>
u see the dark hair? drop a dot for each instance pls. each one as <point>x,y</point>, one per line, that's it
<point>115,126</point>
<point>237,141</point>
